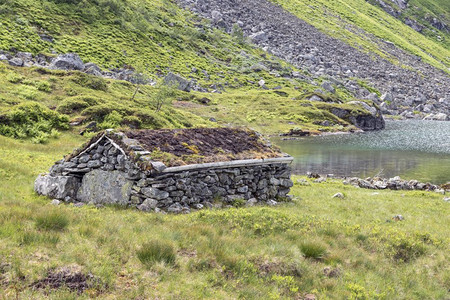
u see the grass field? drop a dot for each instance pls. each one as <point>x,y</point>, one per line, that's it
<point>332,248</point>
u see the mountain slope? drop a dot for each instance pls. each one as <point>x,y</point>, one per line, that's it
<point>153,38</point>
<point>429,17</point>
<point>158,37</point>
<point>339,48</point>
<point>344,19</point>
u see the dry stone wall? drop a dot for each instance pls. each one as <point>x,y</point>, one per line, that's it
<point>105,174</point>
<point>178,192</point>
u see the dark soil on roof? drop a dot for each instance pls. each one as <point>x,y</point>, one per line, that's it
<point>203,141</point>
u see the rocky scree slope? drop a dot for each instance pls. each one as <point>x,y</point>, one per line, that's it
<point>425,17</point>
<point>415,91</point>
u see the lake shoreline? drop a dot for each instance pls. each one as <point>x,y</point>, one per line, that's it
<point>411,149</point>
<point>380,183</point>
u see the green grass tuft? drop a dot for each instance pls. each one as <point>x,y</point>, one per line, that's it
<point>55,221</point>
<point>156,251</point>
<point>313,249</point>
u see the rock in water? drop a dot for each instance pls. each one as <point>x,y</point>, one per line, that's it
<point>69,61</point>
<point>105,187</point>
<point>372,120</point>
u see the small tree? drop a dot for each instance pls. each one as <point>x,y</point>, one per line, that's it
<point>139,79</point>
<point>236,31</point>
<point>165,92</point>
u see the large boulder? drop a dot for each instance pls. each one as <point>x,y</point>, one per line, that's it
<point>69,61</point>
<point>259,37</point>
<point>105,187</point>
<point>16,62</point>
<point>387,97</point>
<point>328,87</point>
<point>437,117</point>
<point>58,187</point>
<point>371,120</point>
<point>178,82</point>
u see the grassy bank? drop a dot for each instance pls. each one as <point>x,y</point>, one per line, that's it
<point>330,247</point>
<point>39,104</point>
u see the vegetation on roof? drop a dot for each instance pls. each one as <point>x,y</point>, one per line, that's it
<point>203,145</point>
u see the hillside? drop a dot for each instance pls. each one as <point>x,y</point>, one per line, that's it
<point>346,39</point>
<point>142,46</point>
<point>429,17</point>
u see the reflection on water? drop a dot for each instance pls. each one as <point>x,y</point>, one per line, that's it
<point>411,149</point>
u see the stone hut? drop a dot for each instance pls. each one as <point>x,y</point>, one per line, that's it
<point>171,170</point>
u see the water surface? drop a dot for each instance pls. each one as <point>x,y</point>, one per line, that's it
<point>411,149</point>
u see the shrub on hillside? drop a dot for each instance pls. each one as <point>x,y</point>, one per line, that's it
<point>405,249</point>
<point>112,120</point>
<point>100,111</point>
<point>151,119</point>
<point>43,86</point>
<point>32,120</point>
<point>14,78</point>
<point>132,122</point>
<point>76,104</point>
<point>90,81</point>
<point>156,251</point>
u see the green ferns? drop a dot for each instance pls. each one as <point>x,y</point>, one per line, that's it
<point>32,120</point>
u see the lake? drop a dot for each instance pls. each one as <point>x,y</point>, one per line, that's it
<point>411,149</point>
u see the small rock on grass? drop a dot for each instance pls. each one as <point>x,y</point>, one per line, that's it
<point>198,206</point>
<point>272,202</point>
<point>447,199</point>
<point>251,202</point>
<point>321,179</point>
<point>338,195</point>
<point>398,218</point>
<point>56,202</point>
<point>303,182</point>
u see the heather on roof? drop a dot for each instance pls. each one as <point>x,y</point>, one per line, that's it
<point>203,141</point>
<point>177,147</point>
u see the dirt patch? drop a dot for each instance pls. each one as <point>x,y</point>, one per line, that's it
<point>70,277</point>
<point>186,104</point>
<point>266,267</point>
<point>223,143</point>
<point>187,253</point>
<point>299,132</point>
<point>332,272</point>
<point>4,268</point>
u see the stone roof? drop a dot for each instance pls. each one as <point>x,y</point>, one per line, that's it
<point>180,147</point>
